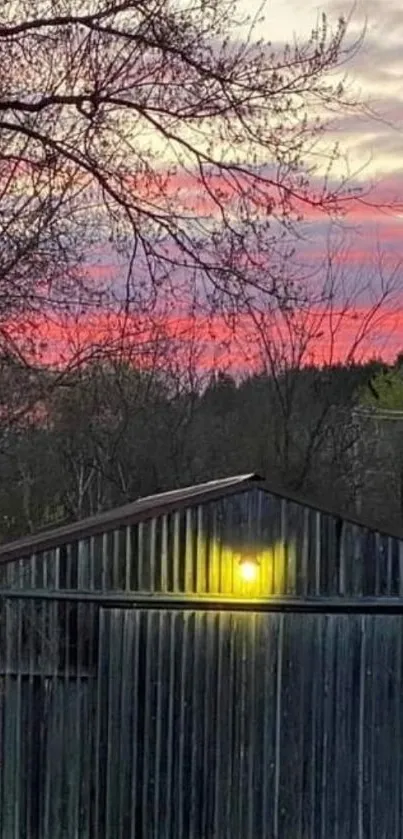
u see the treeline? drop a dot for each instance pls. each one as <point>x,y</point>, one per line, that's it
<point>110,434</point>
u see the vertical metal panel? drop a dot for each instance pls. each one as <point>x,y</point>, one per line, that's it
<point>214,550</point>
<point>104,562</point>
<point>189,585</point>
<point>201,565</point>
<point>127,557</point>
<point>302,551</point>
<point>164,553</point>
<point>152,555</point>
<point>176,539</point>
<point>342,586</point>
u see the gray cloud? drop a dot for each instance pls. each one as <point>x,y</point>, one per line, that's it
<point>386,15</point>
<point>392,145</point>
<point>376,73</point>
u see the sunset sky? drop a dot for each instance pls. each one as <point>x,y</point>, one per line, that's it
<point>371,141</point>
<point>370,240</point>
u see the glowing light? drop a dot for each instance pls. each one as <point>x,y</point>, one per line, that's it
<point>249,569</point>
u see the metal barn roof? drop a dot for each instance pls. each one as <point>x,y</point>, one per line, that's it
<point>142,509</point>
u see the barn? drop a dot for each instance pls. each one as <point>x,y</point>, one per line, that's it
<point>222,661</point>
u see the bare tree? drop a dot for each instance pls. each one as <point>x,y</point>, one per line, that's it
<point>117,424</point>
<point>164,133</point>
<point>338,322</point>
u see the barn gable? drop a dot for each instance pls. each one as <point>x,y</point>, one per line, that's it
<point>193,541</point>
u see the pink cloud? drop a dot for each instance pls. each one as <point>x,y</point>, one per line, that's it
<point>214,343</point>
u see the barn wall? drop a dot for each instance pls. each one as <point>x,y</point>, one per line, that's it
<point>181,723</point>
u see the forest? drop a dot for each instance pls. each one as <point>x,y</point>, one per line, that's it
<point>110,433</point>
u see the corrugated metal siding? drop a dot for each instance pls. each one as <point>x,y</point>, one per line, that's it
<point>210,726</point>
<point>197,550</point>
<point>47,705</point>
<point>272,726</point>
<point>183,724</point>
